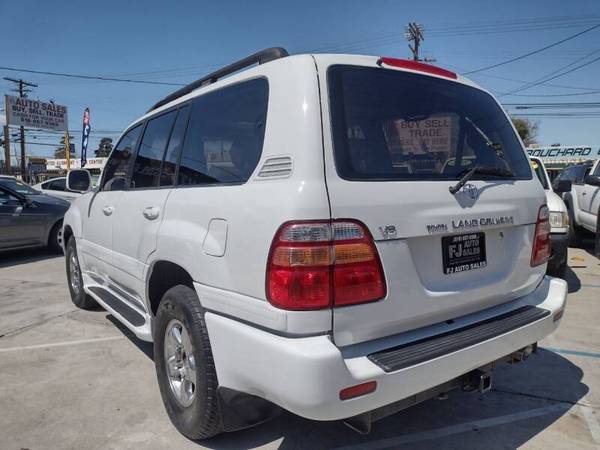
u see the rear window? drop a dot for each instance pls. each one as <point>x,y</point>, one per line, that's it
<point>392,125</point>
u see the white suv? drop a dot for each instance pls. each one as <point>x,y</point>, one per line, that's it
<point>340,236</point>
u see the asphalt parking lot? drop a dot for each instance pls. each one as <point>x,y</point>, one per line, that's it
<point>76,379</point>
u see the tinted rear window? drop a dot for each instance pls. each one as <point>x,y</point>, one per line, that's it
<point>225,134</point>
<point>392,125</point>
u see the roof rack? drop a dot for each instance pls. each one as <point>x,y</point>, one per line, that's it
<point>264,56</point>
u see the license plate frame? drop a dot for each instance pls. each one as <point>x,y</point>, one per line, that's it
<point>463,253</point>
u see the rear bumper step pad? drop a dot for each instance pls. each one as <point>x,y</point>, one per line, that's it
<point>442,344</point>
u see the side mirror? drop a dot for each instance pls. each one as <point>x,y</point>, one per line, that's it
<point>26,202</point>
<point>594,180</point>
<point>560,186</point>
<point>79,180</point>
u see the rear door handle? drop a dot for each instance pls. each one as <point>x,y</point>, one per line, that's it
<point>151,212</point>
<point>108,210</point>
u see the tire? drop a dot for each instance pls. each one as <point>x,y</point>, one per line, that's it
<point>75,280</point>
<point>55,238</point>
<point>573,229</point>
<point>195,415</point>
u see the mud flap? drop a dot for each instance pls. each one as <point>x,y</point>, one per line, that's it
<point>240,410</point>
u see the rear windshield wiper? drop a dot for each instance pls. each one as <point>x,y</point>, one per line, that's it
<point>482,170</point>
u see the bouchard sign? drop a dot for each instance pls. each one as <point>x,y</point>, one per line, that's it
<point>566,152</point>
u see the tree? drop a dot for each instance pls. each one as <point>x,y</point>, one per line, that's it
<point>60,152</point>
<point>104,148</point>
<point>527,129</point>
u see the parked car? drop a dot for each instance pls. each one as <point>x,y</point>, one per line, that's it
<point>29,218</point>
<point>559,219</point>
<point>57,187</point>
<point>583,200</point>
<point>288,237</point>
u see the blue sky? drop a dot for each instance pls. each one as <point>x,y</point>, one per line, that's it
<point>180,41</point>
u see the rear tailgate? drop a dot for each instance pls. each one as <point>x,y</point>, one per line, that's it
<point>443,255</point>
<point>419,293</point>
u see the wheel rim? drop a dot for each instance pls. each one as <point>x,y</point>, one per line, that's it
<point>180,363</point>
<point>59,238</point>
<point>74,273</point>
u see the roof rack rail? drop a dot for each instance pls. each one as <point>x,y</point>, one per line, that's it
<point>261,57</point>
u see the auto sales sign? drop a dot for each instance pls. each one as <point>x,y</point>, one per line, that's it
<point>35,114</point>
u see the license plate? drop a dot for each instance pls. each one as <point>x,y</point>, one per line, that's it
<point>463,252</point>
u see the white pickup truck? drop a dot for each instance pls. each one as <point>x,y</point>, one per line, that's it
<point>583,201</point>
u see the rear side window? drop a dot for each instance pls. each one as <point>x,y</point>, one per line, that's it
<point>393,125</point>
<point>146,170</point>
<point>119,163</point>
<point>225,134</point>
<point>58,185</point>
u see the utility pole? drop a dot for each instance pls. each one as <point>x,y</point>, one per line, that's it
<point>414,34</point>
<point>22,90</point>
<point>7,165</point>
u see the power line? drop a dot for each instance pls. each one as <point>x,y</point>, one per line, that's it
<point>486,27</point>
<point>544,79</point>
<point>556,105</point>
<point>554,44</point>
<point>572,94</point>
<point>89,77</point>
<point>560,115</point>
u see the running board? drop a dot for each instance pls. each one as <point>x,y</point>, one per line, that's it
<point>128,313</point>
<point>432,347</point>
<point>135,320</point>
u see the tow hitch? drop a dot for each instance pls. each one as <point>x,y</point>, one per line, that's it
<point>479,380</point>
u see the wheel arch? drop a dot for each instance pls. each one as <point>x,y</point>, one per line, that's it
<point>67,233</point>
<point>56,222</point>
<point>570,202</point>
<point>163,275</point>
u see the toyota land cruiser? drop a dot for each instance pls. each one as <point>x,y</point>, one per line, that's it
<point>339,236</point>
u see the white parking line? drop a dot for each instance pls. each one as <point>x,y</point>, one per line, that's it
<point>60,344</point>
<point>456,429</point>
<point>592,423</point>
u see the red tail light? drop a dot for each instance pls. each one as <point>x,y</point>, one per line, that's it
<point>541,239</point>
<point>415,65</point>
<point>320,264</point>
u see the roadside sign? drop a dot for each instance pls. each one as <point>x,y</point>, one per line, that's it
<point>31,113</point>
<point>53,165</point>
<point>424,136</point>
<point>564,152</point>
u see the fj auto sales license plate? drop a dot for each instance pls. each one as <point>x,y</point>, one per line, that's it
<point>463,252</point>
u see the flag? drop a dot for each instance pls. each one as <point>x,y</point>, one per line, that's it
<point>85,135</point>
